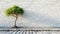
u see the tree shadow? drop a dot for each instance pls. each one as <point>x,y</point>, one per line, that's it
<point>38,18</point>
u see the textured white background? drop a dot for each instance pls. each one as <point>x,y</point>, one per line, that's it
<point>38,13</point>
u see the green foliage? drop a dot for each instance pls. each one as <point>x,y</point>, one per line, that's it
<point>15,10</point>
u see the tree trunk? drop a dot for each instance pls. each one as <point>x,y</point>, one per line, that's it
<point>15,21</point>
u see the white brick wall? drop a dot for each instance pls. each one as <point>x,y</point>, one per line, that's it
<point>38,13</point>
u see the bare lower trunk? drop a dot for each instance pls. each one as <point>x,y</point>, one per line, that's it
<point>15,21</point>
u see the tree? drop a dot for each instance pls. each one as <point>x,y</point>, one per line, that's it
<point>14,11</point>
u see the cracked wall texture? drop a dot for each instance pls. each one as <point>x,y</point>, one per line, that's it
<point>38,13</point>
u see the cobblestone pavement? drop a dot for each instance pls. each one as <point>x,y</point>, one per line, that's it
<point>29,32</point>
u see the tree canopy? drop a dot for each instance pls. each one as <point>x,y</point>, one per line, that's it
<point>14,10</point>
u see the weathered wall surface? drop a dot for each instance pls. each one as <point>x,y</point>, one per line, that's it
<point>38,13</point>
